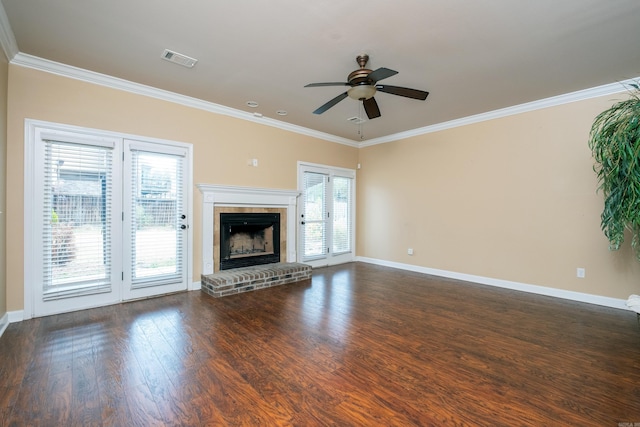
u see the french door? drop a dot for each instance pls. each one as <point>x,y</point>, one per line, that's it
<point>326,214</point>
<point>108,218</point>
<point>155,220</point>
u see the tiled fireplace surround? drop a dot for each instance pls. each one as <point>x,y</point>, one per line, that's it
<point>217,199</point>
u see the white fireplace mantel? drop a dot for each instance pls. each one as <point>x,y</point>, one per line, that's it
<point>225,195</point>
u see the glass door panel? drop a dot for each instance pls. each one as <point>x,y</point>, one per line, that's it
<point>155,219</point>
<point>76,205</point>
<point>314,218</point>
<point>326,215</point>
<point>107,220</point>
<point>341,225</point>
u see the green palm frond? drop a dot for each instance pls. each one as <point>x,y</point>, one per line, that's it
<point>614,141</point>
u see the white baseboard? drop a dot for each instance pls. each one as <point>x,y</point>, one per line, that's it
<point>535,289</point>
<point>4,322</point>
<point>16,316</point>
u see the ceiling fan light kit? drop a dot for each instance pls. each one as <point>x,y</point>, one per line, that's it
<point>363,87</point>
<point>361,92</point>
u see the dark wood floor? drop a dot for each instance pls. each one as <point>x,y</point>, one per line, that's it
<point>360,345</point>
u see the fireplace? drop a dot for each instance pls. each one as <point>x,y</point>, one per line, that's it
<point>248,239</point>
<point>217,199</point>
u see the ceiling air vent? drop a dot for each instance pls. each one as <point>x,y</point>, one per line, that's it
<point>179,58</point>
<point>356,120</point>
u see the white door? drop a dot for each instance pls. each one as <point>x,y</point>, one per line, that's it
<point>109,220</point>
<point>155,220</point>
<point>326,214</point>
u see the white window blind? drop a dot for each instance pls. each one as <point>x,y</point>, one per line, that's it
<point>156,236</point>
<point>315,211</point>
<point>76,219</point>
<point>341,226</point>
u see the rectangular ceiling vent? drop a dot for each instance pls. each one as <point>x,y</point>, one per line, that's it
<point>356,120</point>
<point>178,58</point>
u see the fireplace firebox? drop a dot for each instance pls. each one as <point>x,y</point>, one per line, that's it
<point>248,239</point>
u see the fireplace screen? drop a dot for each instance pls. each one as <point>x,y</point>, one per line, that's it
<point>248,239</point>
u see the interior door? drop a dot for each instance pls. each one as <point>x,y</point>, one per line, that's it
<point>326,215</point>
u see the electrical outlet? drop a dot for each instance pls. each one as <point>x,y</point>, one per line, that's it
<point>410,251</point>
<point>580,272</point>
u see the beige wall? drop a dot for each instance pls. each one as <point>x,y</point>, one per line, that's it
<point>4,71</point>
<point>222,146</point>
<point>512,198</point>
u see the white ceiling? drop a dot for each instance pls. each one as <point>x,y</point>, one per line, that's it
<point>472,56</point>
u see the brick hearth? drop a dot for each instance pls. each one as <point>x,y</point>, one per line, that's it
<point>237,280</point>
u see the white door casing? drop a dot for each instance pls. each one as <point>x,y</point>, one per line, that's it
<point>326,214</point>
<point>119,243</point>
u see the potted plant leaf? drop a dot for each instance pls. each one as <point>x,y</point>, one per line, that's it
<point>614,140</point>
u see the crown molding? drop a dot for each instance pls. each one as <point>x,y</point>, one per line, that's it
<point>36,63</point>
<point>581,95</point>
<point>69,71</point>
<point>7,40</point>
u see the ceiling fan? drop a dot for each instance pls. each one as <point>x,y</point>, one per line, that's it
<point>364,84</point>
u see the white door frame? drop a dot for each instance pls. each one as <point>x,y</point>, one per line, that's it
<point>33,130</point>
<point>159,284</point>
<point>330,171</point>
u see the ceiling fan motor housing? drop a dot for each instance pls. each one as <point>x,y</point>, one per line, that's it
<point>361,86</point>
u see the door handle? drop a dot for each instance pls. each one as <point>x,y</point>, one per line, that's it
<point>183,226</point>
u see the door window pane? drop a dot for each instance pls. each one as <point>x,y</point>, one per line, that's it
<point>76,219</point>
<point>315,241</point>
<point>341,214</point>
<point>156,236</point>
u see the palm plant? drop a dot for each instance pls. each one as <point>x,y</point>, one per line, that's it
<point>614,140</point>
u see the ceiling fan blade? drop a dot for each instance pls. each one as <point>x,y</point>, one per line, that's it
<point>381,73</point>
<point>371,108</point>
<point>403,91</point>
<point>331,103</point>
<point>327,84</point>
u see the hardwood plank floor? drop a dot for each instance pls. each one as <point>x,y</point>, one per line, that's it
<point>359,345</point>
